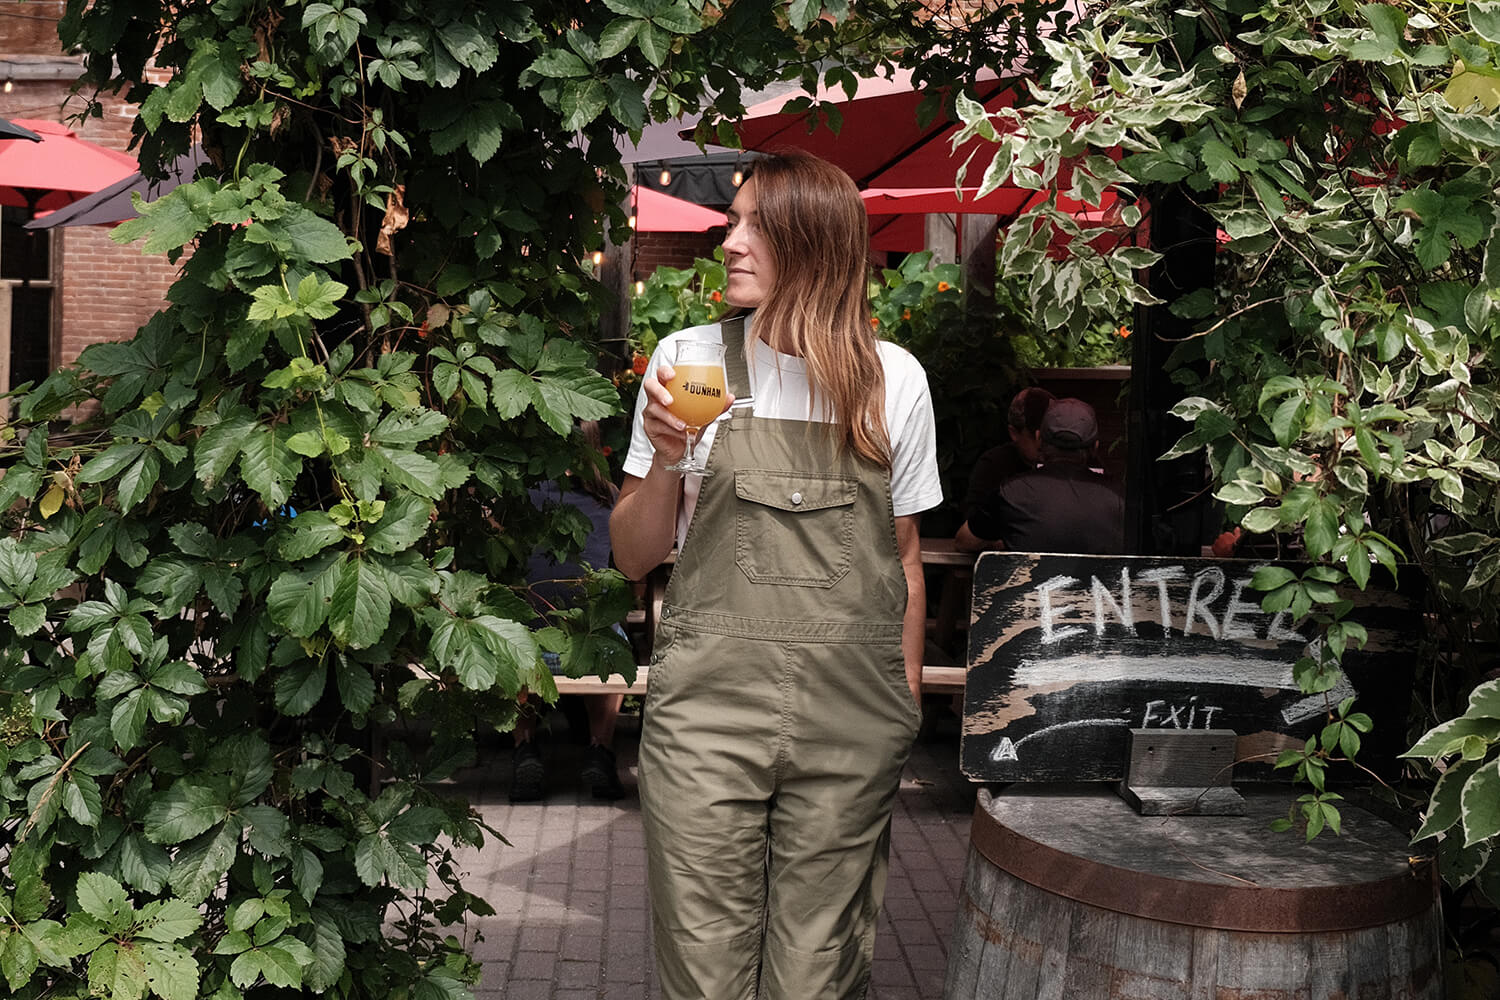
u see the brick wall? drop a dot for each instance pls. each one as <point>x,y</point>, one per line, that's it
<point>29,27</point>
<point>103,291</point>
<point>653,250</point>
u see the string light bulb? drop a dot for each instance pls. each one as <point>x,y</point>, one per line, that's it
<point>10,85</point>
<point>598,257</point>
<point>665,177</point>
<point>640,288</point>
<point>631,221</point>
<point>738,178</point>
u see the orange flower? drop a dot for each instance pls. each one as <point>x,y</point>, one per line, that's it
<point>607,450</point>
<point>943,286</point>
<point>1123,331</point>
<point>638,362</point>
<point>715,296</point>
<point>906,314</point>
<point>874,322</point>
<point>422,331</point>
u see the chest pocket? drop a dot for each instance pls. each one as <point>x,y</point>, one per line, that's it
<point>794,528</point>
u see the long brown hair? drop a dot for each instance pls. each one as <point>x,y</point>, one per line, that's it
<point>815,225</point>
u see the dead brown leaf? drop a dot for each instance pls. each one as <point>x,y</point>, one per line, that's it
<point>395,220</point>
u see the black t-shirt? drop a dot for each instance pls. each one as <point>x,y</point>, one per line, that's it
<point>1056,508</point>
<point>993,467</point>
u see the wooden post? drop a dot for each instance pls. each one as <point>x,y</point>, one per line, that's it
<point>614,274</point>
<point>976,244</point>
<point>1165,502</point>
<point>940,235</point>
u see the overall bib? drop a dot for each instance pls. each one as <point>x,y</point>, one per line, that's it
<point>778,718</point>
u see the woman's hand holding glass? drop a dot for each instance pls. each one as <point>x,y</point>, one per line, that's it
<point>686,393</point>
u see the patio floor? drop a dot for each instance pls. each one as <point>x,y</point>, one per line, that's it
<point>571,920</point>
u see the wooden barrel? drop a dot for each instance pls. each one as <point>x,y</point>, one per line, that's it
<point>1070,894</point>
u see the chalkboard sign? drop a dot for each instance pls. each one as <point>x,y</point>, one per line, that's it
<point>1068,652</point>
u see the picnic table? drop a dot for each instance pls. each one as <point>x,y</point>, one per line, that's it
<point>954,568</point>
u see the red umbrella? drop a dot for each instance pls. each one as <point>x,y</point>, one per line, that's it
<point>112,205</point>
<point>58,170</point>
<point>10,130</point>
<point>924,201</point>
<point>896,213</point>
<point>879,144</point>
<point>661,213</point>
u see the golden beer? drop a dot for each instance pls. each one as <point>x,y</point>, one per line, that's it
<point>697,393</point>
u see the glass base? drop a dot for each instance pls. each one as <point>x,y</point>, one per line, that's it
<point>686,464</point>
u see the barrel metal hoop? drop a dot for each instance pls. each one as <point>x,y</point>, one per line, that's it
<point>1224,907</point>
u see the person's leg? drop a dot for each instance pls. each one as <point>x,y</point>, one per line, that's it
<point>709,749</point>
<point>852,725</point>
<point>528,780</point>
<point>599,770</point>
<point>604,712</point>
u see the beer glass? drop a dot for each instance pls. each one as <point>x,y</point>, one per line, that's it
<point>697,389</point>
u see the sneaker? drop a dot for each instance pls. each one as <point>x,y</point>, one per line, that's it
<point>528,779</point>
<point>601,774</point>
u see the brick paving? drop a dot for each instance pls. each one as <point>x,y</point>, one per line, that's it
<point>571,919</point>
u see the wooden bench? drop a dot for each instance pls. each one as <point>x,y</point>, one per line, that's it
<point>952,606</point>
<point>935,680</point>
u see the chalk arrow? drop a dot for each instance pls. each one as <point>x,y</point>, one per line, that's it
<point>1007,750</point>
<point>1076,723</point>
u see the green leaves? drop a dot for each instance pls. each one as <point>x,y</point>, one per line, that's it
<point>279,964</point>
<point>559,63</point>
<point>378,859</point>
<point>102,898</point>
<point>183,812</point>
<point>314,299</point>
<point>566,397</point>
<point>126,972</point>
<point>332,27</point>
<point>405,520</point>
<point>300,234</point>
<point>201,864</point>
<point>144,957</point>
<point>409,427</point>
<point>360,607</point>
<point>1468,790</point>
<point>296,507</point>
<point>269,465</point>
<point>1480,804</point>
<point>1447,217</point>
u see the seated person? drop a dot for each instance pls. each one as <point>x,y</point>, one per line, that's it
<point>594,497</point>
<point>1063,506</point>
<point>1020,454</point>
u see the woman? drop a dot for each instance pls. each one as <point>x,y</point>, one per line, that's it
<point>785,684</point>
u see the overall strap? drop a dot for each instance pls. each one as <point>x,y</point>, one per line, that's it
<point>736,369</point>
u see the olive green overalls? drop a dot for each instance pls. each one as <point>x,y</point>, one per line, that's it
<point>778,718</point>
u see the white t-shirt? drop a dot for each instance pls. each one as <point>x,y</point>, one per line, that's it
<point>779,384</point>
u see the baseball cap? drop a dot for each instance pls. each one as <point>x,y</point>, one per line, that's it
<point>1069,423</point>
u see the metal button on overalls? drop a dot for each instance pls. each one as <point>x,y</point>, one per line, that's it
<point>778,719</point>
